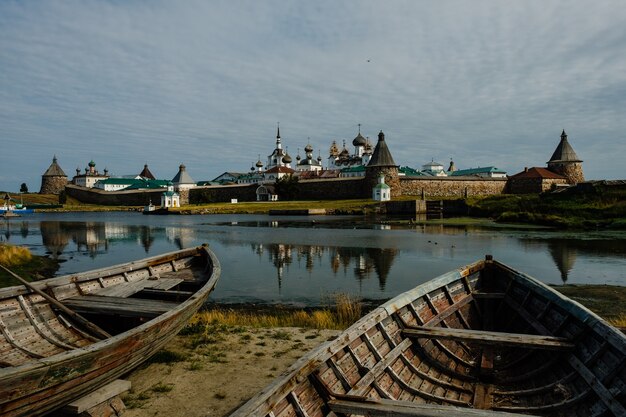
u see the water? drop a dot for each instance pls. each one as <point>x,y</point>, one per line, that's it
<point>304,260</point>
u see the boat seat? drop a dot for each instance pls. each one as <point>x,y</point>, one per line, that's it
<point>126,289</point>
<point>118,306</point>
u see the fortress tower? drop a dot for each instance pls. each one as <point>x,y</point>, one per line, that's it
<point>382,163</point>
<point>53,180</point>
<point>565,162</point>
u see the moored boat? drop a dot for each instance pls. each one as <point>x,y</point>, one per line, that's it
<point>483,340</point>
<point>64,337</point>
<point>12,209</point>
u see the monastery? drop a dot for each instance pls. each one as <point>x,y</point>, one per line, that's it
<point>373,167</point>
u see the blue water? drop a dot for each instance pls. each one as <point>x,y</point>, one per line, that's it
<point>304,260</point>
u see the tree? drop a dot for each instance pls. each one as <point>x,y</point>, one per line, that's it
<point>23,188</point>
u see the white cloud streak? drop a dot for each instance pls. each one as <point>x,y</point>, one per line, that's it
<point>204,83</point>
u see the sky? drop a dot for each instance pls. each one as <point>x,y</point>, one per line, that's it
<point>204,83</point>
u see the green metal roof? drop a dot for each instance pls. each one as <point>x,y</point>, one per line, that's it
<point>357,168</point>
<point>408,171</point>
<point>148,184</point>
<point>474,171</point>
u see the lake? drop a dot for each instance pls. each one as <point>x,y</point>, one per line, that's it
<point>304,260</point>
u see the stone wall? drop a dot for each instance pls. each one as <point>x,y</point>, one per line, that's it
<point>113,198</point>
<point>391,179</point>
<point>532,185</point>
<point>52,184</point>
<point>222,193</point>
<point>429,187</point>
<point>324,189</point>
<point>573,171</point>
<point>333,189</point>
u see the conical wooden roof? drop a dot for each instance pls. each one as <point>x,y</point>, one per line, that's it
<point>564,152</point>
<point>54,170</point>
<point>381,156</point>
<point>146,173</point>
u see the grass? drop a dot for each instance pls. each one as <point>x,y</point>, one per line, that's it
<point>166,356</point>
<point>162,388</point>
<point>607,301</point>
<point>345,311</point>
<point>359,206</point>
<point>600,208</point>
<point>12,256</point>
<point>20,260</point>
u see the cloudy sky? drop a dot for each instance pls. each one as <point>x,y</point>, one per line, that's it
<point>204,83</point>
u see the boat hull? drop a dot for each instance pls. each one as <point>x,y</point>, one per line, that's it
<point>41,385</point>
<point>484,340</point>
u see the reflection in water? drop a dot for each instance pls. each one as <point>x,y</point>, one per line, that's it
<point>270,259</point>
<point>564,257</point>
<point>94,237</point>
<point>365,262</point>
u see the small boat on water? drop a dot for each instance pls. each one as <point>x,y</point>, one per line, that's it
<point>484,340</point>
<point>64,337</point>
<point>13,210</point>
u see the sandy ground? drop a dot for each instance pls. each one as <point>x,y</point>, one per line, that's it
<point>216,376</point>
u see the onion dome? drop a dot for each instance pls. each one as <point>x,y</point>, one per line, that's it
<point>334,150</point>
<point>308,148</point>
<point>359,140</point>
<point>259,164</point>
<point>368,147</point>
<point>298,157</point>
<point>92,163</point>
<point>287,159</point>
<point>319,158</point>
<point>344,153</point>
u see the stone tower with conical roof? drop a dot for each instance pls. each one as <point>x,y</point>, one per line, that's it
<point>54,179</point>
<point>565,162</point>
<point>382,163</point>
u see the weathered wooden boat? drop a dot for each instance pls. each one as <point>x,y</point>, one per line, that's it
<point>484,340</point>
<point>85,330</point>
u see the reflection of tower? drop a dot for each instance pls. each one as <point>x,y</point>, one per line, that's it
<point>280,256</point>
<point>146,238</point>
<point>383,259</point>
<point>335,261</point>
<point>54,237</point>
<point>564,257</point>
<point>24,229</point>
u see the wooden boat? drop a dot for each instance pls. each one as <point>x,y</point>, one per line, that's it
<point>48,357</point>
<point>484,340</point>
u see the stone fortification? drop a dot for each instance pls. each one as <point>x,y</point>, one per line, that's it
<point>54,179</point>
<point>113,198</point>
<point>533,185</point>
<point>430,187</point>
<point>52,185</point>
<point>222,193</point>
<point>572,171</point>
<point>333,189</point>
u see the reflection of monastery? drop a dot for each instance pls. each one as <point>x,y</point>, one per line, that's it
<point>364,263</point>
<point>344,173</point>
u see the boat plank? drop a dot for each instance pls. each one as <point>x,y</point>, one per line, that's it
<point>494,338</point>
<point>130,307</point>
<point>126,289</point>
<point>389,408</point>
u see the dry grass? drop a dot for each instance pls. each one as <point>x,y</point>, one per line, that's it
<point>11,256</point>
<point>618,321</point>
<point>341,315</point>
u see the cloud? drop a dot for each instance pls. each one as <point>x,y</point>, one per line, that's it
<point>204,83</point>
